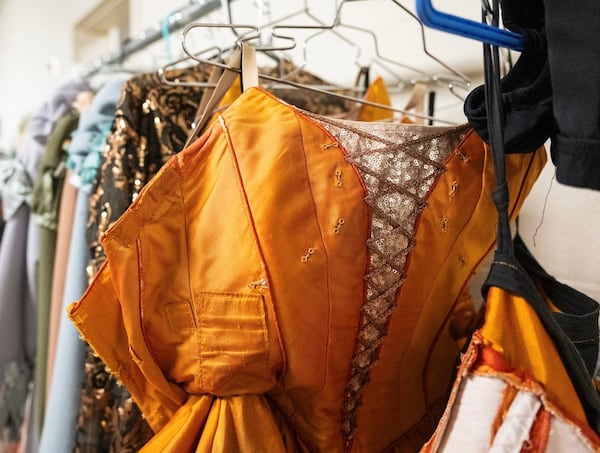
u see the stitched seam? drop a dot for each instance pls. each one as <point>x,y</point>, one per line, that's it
<point>325,253</point>
<point>195,314</point>
<point>255,243</point>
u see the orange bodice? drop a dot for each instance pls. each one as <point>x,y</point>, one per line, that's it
<point>289,282</point>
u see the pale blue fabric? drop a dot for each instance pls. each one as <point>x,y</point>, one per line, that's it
<point>85,151</point>
<point>58,433</point>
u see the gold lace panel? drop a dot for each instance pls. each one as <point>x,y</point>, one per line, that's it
<point>399,164</point>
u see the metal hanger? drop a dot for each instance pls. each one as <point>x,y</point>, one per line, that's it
<point>333,27</point>
<point>268,52</point>
<point>462,81</point>
<point>302,65</point>
<point>298,68</point>
<point>295,84</point>
<point>264,4</point>
<point>216,52</point>
<point>323,28</point>
<point>246,38</point>
<point>252,33</point>
<point>286,43</point>
<point>458,80</point>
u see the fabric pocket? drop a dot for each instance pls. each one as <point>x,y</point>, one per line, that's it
<point>232,341</point>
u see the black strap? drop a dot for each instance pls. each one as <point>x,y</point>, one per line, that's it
<point>494,106</point>
<point>506,271</point>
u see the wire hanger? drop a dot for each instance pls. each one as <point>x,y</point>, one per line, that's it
<point>463,81</point>
<point>457,80</point>
<point>282,61</point>
<point>226,5</point>
<point>215,52</point>
<point>467,28</point>
<point>322,27</point>
<point>295,84</point>
<point>252,34</point>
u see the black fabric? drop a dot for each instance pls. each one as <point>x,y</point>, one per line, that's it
<point>523,15</point>
<point>526,98</point>
<point>506,271</point>
<point>554,90</point>
<point>578,316</point>
<point>573,33</point>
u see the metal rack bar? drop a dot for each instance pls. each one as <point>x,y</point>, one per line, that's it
<point>177,20</point>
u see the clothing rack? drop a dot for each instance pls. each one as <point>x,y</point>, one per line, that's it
<point>176,21</point>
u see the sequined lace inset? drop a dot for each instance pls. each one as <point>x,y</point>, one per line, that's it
<point>399,164</point>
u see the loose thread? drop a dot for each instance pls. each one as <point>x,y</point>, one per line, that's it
<point>544,208</point>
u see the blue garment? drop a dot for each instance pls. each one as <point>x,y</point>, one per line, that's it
<point>62,408</point>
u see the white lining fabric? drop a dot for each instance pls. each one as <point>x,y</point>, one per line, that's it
<point>514,431</point>
<point>470,422</point>
<point>472,416</point>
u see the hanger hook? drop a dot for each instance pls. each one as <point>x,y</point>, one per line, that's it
<point>290,46</point>
<point>217,52</point>
<point>253,33</point>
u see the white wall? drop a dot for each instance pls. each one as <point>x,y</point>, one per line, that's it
<point>560,226</point>
<point>34,34</point>
<point>36,43</point>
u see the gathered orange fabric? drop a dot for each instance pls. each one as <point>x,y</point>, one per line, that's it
<point>287,282</point>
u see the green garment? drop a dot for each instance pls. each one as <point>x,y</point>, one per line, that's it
<point>48,188</point>
<point>46,202</point>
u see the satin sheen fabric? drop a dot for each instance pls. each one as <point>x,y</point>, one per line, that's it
<point>231,297</point>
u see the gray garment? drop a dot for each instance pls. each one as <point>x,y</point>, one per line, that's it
<point>17,320</point>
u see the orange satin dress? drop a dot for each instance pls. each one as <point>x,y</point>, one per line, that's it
<point>287,283</point>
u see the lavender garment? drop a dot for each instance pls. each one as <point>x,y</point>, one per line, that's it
<point>42,122</point>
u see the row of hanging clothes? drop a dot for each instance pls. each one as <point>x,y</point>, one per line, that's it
<point>263,261</point>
